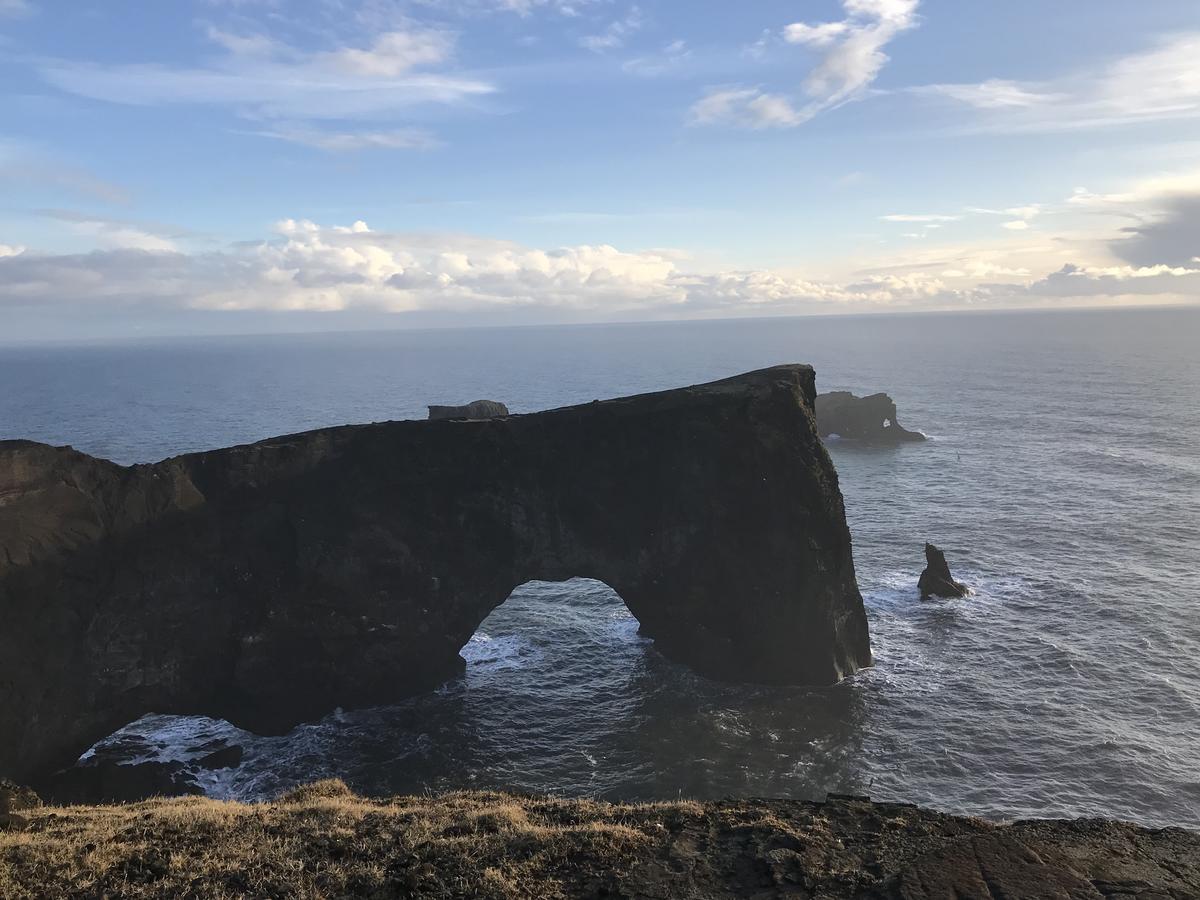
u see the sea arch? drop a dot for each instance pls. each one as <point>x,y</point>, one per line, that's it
<point>270,583</point>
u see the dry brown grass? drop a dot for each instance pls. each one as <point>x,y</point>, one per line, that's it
<point>322,841</point>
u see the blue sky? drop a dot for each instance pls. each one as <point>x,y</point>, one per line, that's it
<point>225,165</point>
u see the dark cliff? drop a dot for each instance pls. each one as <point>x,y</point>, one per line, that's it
<point>267,584</point>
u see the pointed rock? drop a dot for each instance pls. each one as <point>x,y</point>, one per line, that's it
<point>936,580</point>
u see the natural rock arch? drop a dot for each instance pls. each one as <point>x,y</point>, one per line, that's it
<point>269,583</point>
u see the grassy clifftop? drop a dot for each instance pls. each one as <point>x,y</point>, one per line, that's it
<point>323,841</point>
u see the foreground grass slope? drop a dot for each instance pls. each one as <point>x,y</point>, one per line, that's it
<point>323,841</point>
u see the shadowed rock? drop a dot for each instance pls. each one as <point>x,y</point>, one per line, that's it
<point>479,409</point>
<point>270,583</point>
<point>936,580</point>
<point>106,781</point>
<point>870,419</point>
<point>16,801</point>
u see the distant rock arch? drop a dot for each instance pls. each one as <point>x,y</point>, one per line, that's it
<point>267,584</point>
<point>870,419</point>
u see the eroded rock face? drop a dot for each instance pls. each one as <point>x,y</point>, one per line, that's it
<point>936,580</point>
<point>872,419</point>
<point>268,584</point>
<point>478,409</point>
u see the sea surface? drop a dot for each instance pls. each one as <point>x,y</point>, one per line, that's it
<point>1062,478</point>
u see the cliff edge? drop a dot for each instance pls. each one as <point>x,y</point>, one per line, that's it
<point>322,841</point>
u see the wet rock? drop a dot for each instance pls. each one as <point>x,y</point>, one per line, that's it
<point>270,583</point>
<point>479,409</point>
<point>936,580</point>
<point>870,419</point>
<point>226,758</point>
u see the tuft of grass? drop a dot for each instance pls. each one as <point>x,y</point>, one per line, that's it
<point>326,789</point>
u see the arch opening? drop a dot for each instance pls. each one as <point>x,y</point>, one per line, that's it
<point>552,677</point>
<point>568,627</point>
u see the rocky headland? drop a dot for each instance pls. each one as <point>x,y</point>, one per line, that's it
<point>271,583</point>
<point>323,841</point>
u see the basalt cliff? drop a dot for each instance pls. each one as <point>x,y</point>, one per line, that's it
<point>268,584</point>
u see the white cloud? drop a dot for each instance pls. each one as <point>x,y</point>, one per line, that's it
<point>671,57</point>
<point>117,234</point>
<point>815,35</point>
<point>15,8</point>
<point>570,8</point>
<point>748,107</point>
<point>910,217</point>
<point>10,250</point>
<point>616,34</point>
<point>341,142</point>
<point>992,94</point>
<point>1027,212</point>
<point>1024,212</point>
<point>1162,83</point>
<point>1147,191</point>
<point>851,58</point>
<point>1016,225</point>
<point>391,55</point>
<point>264,79</point>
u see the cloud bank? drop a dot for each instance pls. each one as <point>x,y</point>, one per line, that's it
<point>313,268</point>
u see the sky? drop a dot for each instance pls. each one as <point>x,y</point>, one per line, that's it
<point>220,166</point>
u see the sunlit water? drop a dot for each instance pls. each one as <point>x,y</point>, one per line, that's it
<point>1063,480</point>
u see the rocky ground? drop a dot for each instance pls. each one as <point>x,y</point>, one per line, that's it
<point>323,841</point>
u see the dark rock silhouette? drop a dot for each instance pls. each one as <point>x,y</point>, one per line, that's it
<point>870,419</point>
<point>936,580</point>
<point>16,801</point>
<point>226,758</point>
<point>106,781</point>
<point>270,583</point>
<point>478,409</point>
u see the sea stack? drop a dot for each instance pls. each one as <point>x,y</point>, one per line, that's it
<point>936,580</point>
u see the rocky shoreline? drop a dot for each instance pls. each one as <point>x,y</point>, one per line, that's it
<point>323,841</point>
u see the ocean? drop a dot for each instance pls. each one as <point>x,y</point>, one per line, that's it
<point>1062,479</point>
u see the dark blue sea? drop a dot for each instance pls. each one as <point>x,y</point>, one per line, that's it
<point>1062,478</point>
